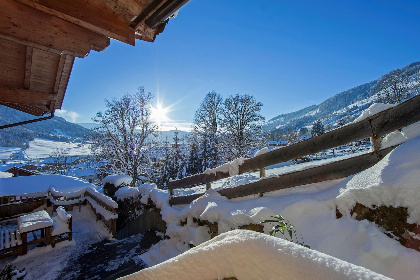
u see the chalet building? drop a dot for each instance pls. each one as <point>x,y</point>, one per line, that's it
<point>26,170</point>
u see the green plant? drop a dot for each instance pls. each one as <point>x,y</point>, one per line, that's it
<point>283,226</point>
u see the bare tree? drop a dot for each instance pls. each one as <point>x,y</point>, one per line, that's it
<point>207,123</point>
<point>394,87</point>
<point>123,135</point>
<point>242,126</point>
<point>59,161</point>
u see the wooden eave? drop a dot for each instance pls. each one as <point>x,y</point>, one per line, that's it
<point>39,40</point>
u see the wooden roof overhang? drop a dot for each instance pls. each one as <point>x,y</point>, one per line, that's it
<point>39,40</point>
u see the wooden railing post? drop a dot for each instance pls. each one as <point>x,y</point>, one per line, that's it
<point>262,172</point>
<point>208,185</point>
<point>376,143</point>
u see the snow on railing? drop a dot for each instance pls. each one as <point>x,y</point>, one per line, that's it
<point>372,126</point>
<point>97,200</point>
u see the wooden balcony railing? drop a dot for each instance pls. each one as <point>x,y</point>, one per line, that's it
<point>373,127</point>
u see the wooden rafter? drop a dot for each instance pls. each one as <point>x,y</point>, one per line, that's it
<point>104,21</point>
<point>24,96</point>
<point>26,23</point>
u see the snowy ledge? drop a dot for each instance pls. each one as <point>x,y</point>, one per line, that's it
<point>249,255</point>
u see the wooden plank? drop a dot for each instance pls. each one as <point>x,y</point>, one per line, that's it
<point>335,170</point>
<point>44,70</point>
<point>93,15</point>
<point>26,23</point>
<point>64,79</point>
<point>13,59</point>
<point>318,174</point>
<point>127,9</point>
<point>7,239</point>
<point>198,179</point>
<point>334,138</point>
<point>180,200</point>
<point>397,117</point>
<point>28,67</point>
<point>36,110</point>
<point>12,239</point>
<point>18,238</point>
<point>24,96</point>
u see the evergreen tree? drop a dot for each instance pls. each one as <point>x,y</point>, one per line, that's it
<point>317,128</point>
<point>176,162</point>
<point>193,165</point>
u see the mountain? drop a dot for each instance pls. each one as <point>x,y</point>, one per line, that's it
<point>57,129</point>
<point>343,107</point>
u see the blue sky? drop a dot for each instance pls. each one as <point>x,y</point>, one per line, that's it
<point>288,54</point>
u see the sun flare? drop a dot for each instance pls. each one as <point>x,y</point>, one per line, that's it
<point>158,114</point>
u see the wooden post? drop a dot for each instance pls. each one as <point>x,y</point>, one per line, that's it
<point>113,227</point>
<point>71,228</point>
<point>262,172</point>
<point>376,143</point>
<point>48,235</point>
<point>171,192</point>
<point>24,243</point>
<point>208,185</point>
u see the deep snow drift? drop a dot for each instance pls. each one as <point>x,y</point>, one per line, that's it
<point>249,255</point>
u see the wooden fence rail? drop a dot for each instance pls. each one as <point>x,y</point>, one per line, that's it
<point>373,127</point>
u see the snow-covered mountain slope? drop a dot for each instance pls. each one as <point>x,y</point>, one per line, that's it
<point>57,129</point>
<point>342,108</point>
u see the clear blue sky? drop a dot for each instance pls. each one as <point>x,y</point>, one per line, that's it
<point>288,54</point>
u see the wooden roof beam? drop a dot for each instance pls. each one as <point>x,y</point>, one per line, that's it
<point>164,12</point>
<point>93,15</point>
<point>24,96</point>
<point>26,23</point>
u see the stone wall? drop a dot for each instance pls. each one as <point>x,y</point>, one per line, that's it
<point>392,219</point>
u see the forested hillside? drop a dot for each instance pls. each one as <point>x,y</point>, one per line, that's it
<point>56,128</point>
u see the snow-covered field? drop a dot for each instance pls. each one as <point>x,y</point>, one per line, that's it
<point>6,152</point>
<point>41,148</point>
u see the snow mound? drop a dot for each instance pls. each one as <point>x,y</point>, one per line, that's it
<point>374,109</point>
<point>40,183</point>
<point>126,193</point>
<point>117,180</point>
<point>394,181</point>
<point>231,167</point>
<point>5,175</point>
<point>398,137</point>
<point>249,255</point>
<point>262,151</point>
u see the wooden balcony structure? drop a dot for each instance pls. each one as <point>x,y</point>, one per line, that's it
<point>39,40</point>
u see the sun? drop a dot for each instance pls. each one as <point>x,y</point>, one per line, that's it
<point>158,114</point>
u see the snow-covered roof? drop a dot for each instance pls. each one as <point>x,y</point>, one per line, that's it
<point>40,183</point>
